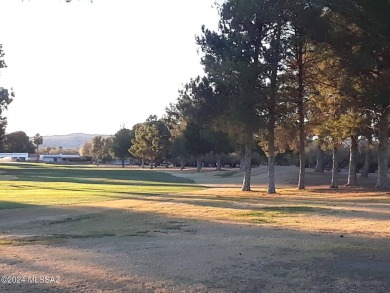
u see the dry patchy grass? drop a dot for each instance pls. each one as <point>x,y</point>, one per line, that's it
<point>363,213</point>
<point>218,239</point>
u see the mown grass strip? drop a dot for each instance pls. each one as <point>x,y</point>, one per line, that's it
<point>43,184</point>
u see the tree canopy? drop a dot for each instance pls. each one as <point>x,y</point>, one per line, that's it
<point>18,142</point>
<point>121,143</point>
<point>6,96</point>
<point>151,140</point>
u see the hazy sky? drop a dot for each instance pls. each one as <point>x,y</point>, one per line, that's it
<point>82,67</point>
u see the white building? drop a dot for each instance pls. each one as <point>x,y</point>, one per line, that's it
<point>12,157</point>
<point>58,158</point>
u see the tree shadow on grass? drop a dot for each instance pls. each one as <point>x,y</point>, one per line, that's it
<point>6,205</point>
<point>358,191</point>
<point>38,173</point>
<point>104,181</point>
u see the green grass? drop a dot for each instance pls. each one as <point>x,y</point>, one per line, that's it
<point>294,209</point>
<point>46,184</point>
<point>283,210</point>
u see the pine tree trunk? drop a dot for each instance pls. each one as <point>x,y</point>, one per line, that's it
<point>151,163</point>
<point>353,152</point>
<point>302,162</point>
<point>246,184</point>
<point>142,162</point>
<point>382,149</point>
<point>219,163</point>
<point>301,114</point>
<point>37,153</point>
<point>272,109</point>
<point>366,167</point>
<point>242,157</point>
<point>334,183</point>
<point>198,163</point>
<point>271,172</point>
<point>320,159</point>
<point>182,164</point>
<point>302,157</point>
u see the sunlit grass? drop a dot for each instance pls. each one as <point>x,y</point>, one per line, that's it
<point>42,184</point>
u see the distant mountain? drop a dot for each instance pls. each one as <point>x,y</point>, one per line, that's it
<point>68,141</point>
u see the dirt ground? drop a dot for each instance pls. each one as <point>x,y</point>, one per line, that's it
<point>218,239</point>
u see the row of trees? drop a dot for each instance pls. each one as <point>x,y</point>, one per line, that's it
<point>158,140</point>
<point>284,71</point>
<point>278,73</point>
<point>177,149</point>
<point>105,148</point>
